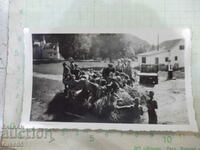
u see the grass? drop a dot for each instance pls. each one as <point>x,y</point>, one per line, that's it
<point>45,88</point>
<point>53,68</point>
<point>43,92</point>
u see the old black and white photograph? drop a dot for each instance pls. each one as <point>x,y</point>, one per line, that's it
<point>100,78</point>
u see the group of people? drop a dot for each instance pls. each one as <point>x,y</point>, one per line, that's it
<point>124,65</point>
<point>109,78</point>
<point>105,82</point>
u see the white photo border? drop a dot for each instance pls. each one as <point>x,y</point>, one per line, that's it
<point>27,95</point>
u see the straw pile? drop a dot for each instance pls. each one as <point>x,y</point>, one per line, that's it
<point>116,107</point>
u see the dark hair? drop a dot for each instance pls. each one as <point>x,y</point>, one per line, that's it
<point>83,77</point>
<point>102,82</point>
<point>126,77</point>
<point>94,76</point>
<point>151,94</point>
<point>82,73</point>
<point>64,64</point>
<point>122,74</point>
<point>129,82</point>
<point>110,65</point>
<point>117,73</point>
<point>137,100</point>
<point>92,80</point>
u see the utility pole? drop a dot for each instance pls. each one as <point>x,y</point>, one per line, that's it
<point>44,39</point>
<point>158,43</point>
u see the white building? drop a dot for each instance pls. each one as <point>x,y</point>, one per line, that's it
<point>46,51</point>
<point>51,51</point>
<point>172,50</point>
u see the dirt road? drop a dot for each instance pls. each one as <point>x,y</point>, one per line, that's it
<point>172,108</point>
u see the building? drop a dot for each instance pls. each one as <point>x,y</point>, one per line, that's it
<point>51,51</point>
<point>43,50</point>
<point>171,50</point>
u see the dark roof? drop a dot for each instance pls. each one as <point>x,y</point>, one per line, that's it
<point>169,44</point>
<point>163,47</point>
<point>152,52</point>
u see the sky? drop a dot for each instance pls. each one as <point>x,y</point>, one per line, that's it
<point>151,35</point>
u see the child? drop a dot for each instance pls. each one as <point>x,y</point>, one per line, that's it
<point>152,105</point>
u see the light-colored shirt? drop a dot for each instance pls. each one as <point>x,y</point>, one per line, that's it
<point>170,67</point>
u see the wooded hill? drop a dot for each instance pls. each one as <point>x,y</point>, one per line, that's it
<point>93,46</point>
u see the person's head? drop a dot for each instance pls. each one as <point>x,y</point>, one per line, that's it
<point>110,65</point>
<point>122,74</point>
<point>91,70</point>
<point>129,62</point>
<point>117,73</point>
<point>129,82</point>
<point>73,77</point>
<point>102,82</point>
<point>126,77</point>
<point>119,61</point>
<point>92,80</point>
<point>94,76</point>
<point>137,101</point>
<point>97,80</point>
<point>111,75</point>
<point>71,59</point>
<point>64,64</point>
<point>151,94</point>
<point>119,79</point>
<point>82,73</point>
<point>98,74</point>
<point>76,66</point>
<point>83,77</point>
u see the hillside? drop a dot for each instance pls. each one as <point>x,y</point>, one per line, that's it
<point>137,45</point>
<point>92,46</point>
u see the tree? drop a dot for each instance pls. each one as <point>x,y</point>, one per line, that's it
<point>92,46</point>
<point>82,46</point>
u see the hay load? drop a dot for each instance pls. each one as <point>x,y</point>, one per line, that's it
<point>135,92</point>
<point>68,108</point>
<point>108,95</point>
<point>118,107</point>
